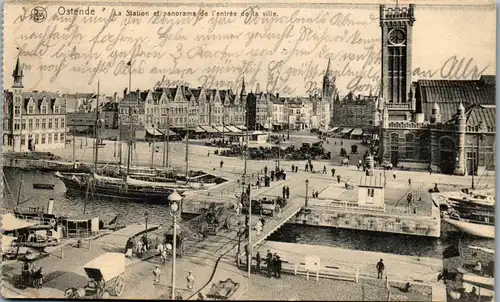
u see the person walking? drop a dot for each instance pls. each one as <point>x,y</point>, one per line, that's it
<point>293,168</point>
<point>338,178</point>
<point>221,164</point>
<point>269,262</point>
<point>324,169</point>
<point>258,260</point>
<point>208,154</point>
<point>163,257</point>
<point>190,281</point>
<point>284,192</point>
<point>409,181</point>
<point>278,266</point>
<point>287,192</point>
<point>333,172</point>
<point>307,167</point>
<point>394,174</point>
<point>380,269</point>
<point>157,274</point>
<point>265,170</point>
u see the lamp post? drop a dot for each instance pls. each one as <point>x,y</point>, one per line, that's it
<point>174,198</point>
<point>146,215</point>
<point>307,192</point>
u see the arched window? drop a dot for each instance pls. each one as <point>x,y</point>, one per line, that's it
<point>446,144</point>
<point>394,142</point>
<point>410,143</point>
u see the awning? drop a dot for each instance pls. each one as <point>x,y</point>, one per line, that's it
<point>11,223</point>
<point>199,130</point>
<point>153,131</point>
<point>357,131</point>
<point>333,129</point>
<point>345,131</point>
<point>220,128</point>
<point>171,133</point>
<point>208,129</point>
<point>241,127</point>
<point>233,129</point>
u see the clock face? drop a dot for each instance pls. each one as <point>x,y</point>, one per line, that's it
<point>397,36</point>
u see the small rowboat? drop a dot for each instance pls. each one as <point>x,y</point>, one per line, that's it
<point>43,186</point>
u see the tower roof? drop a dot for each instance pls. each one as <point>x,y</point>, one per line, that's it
<point>328,71</point>
<point>18,71</point>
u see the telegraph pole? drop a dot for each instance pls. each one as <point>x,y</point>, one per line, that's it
<point>74,126</point>
<point>187,143</point>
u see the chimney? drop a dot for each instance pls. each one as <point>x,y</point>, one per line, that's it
<point>115,97</point>
<point>278,95</point>
<point>125,91</point>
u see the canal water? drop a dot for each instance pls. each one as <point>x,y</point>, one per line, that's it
<point>159,214</point>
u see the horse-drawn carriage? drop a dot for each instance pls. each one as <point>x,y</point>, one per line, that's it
<point>105,278</point>
<point>217,218</point>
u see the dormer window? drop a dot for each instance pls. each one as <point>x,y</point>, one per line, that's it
<point>44,109</point>
<point>31,109</point>
<point>56,109</point>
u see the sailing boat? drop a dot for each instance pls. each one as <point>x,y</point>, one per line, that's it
<point>122,188</point>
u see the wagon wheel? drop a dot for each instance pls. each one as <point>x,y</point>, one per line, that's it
<point>119,285</point>
<point>180,249</point>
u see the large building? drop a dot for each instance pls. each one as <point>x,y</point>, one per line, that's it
<point>355,111</point>
<point>32,120</point>
<point>441,125</point>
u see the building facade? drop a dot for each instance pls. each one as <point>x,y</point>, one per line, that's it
<point>355,111</point>
<point>441,125</point>
<point>32,120</point>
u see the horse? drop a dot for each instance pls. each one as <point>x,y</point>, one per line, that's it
<point>74,293</point>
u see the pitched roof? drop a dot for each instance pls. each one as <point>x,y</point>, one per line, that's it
<point>480,91</point>
<point>478,113</point>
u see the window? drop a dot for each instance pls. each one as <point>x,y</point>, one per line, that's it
<point>55,138</point>
<point>43,138</point>
<point>50,123</point>
<point>44,109</point>
<point>56,109</point>
<point>61,137</point>
<point>37,136</point>
<point>62,123</point>
<point>43,124</point>
<point>16,125</point>
<point>31,109</point>
<point>30,124</point>
<point>49,138</point>
<point>23,140</point>
<point>37,124</point>
<point>23,124</point>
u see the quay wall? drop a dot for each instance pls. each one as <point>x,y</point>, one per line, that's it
<point>428,226</point>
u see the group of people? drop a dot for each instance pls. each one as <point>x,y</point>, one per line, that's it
<point>295,168</point>
<point>273,264</point>
<point>189,278</point>
<point>141,246</point>
<point>315,194</point>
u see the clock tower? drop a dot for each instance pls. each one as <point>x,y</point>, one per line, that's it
<point>396,23</point>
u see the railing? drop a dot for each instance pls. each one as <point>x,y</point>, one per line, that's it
<point>357,208</point>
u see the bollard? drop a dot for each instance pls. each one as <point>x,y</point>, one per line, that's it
<point>295,268</point>
<point>317,275</point>
<point>357,275</point>
<point>307,274</point>
<point>90,245</point>
<point>386,282</point>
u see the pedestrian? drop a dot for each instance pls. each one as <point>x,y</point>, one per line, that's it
<point>333,172</point>
<point>200,297</point>
<point>247,253</point>
<point>208,154</point>
<point>287,192</point>
<point>163,257</point>
<point>269,262</point>
<point>380,269</point>
<point>190,281</point>
<point>278,266</point>
<point>157,273</point>
<point>258,260</point>
<point>311,167</point>
<point>317,194</point>
<point>341,143</point>
<point>324,169</point>
<point>139,248</point>
<point>160,248</point>
<point>394,174</point>
<point>338,178</point>
<point>293,168</point>
<point>129,248</point>
<point>265,170</point>
<point>335,143</point>
<point>409,181</point>
<point>307,167</point>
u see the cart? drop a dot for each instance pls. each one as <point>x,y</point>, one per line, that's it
<point>180,242</point>
<point>30,275</point>
<point>268,206</point>
<point>105,278</point>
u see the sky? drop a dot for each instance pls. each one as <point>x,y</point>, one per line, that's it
<point>452,42</point>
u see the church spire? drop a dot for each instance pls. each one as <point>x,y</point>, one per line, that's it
<point>328,71</point>
<point>18,75</point>
<point>243,91</point>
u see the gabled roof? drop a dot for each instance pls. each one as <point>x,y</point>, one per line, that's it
<point>133,98</point>
<point>478,113</point>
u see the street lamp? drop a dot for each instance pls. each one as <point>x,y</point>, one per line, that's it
<point>307,192</point>
<point>174,198</point>
<point>146,215</point>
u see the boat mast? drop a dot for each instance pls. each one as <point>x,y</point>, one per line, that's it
<point>165,141</point>
<point>129,141</point>
<point>187,142</point>
<point>97,129</point>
